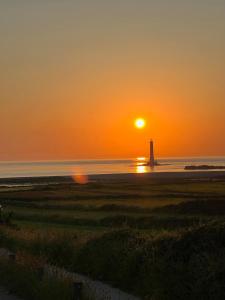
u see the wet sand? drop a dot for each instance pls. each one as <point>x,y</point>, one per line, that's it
<point>27,182</point>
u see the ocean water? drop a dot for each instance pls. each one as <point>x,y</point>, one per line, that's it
<point>113,166</point>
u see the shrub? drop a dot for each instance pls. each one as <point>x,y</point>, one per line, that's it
<point>190,266</point>
<point>24,281</point>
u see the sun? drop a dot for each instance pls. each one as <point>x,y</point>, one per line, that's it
<point>140,123</point>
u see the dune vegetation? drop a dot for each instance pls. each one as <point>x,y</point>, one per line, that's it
<point>155,239</point>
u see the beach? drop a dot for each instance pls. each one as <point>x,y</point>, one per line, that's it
<point>26,182</point>
<point>89,167</point>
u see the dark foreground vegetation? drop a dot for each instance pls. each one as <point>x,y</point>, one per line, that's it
<point>156,239</point>
<point>23,279</point>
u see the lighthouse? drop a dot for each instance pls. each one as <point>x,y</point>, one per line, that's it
<point>152,159</point>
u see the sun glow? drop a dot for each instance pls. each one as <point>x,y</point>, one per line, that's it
<point>141,159</point>
<point>140,169</point>
<point>140,123</point>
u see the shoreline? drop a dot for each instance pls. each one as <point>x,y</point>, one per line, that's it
<point>116,177</point>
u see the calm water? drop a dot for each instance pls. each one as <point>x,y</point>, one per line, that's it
<point>61,168</point>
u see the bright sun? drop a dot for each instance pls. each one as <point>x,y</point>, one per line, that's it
<point>140,123</point>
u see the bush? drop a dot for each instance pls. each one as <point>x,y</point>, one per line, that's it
<point>25,282</point>
<point>190,266</point>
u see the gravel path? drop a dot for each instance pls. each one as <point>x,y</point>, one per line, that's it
<point>5,296</point>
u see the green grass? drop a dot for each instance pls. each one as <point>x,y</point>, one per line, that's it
<point>156,239</point>
<point>24,281</point>
<point>185,264</point>
<point>189,265</point>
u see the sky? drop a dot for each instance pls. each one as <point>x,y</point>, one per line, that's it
<point>74,75</point>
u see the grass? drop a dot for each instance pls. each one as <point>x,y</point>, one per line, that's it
<point>159,240</point>
<point>183,266</point>
<point>22,278</point>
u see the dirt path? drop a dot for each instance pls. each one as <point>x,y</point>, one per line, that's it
<point>5,296</point>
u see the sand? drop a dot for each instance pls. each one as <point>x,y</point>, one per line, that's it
<point>159,176</point>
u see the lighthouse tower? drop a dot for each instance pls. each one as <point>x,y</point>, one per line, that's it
<point>152,158</point>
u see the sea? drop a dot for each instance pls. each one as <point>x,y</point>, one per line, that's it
<point>12,169</point>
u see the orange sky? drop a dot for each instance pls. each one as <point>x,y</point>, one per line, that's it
<point>75,75</point>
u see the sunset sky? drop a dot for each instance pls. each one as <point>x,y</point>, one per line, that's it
<point>75,74</point>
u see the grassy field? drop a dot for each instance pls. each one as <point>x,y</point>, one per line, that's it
<point>158,239</point>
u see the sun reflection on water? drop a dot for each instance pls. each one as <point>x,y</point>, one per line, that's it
<point>141,166</point>
<point>141,159</point>
<point>141,169</point>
